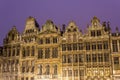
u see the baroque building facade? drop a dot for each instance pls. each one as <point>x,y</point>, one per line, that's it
<point>49,53</point>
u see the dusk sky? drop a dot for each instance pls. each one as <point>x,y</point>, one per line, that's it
<point>15,12</point>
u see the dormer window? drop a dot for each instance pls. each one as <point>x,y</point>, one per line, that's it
<point>74,30</point>
<point>98,33</point>
<point>69,30</point>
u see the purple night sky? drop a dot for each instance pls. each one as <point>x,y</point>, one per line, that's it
<point>15,12</point>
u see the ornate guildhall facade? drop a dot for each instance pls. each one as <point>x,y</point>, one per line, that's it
<point>50,53</point>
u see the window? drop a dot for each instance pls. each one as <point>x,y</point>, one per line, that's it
<point>28,51</point>
<point>22,78</point>
<point>47,40</point>
<point>18,51</point>
<point>88,57</point>
<point>63,47</point>
<point>69,58</point>
<point>13,54</point>
<point>69,47</point>
<point>63,58</point>
<point>54,52</point>
<point>41,41</point>
<point>47,53</point>
<point>55,40</point>
<point>23,52</point>
<point>9,53</point>
<point>100,57</point>
<point>80,46</point>
<point>75,58</point>
<point>69,73</point>
<point>94,58</point>
<point>81,57</point>
<point>32,78</point>
<point>23,69</point>
<point>105,44</point>
<point>114,45</point>
<point>32,69</point>
<point>81,72</point>
<point>75,73</point>
<point>87,45</point>
<point>33,51</point>
<point>106,57</point>
<point>99,45</point>
<point>74,46</point>
<point>40,69</point>
<point>64,73</point>
<point>74,37</point>
<point>26,78</point>
<point>116,60</point>
<point>93,46</point>
<point>93,33</point>
<point>40,53</point>
<point>98,33</point>
<point>47,70</point>
<point>55,69</point>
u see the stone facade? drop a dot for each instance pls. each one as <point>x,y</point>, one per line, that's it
<point>49,53</point>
